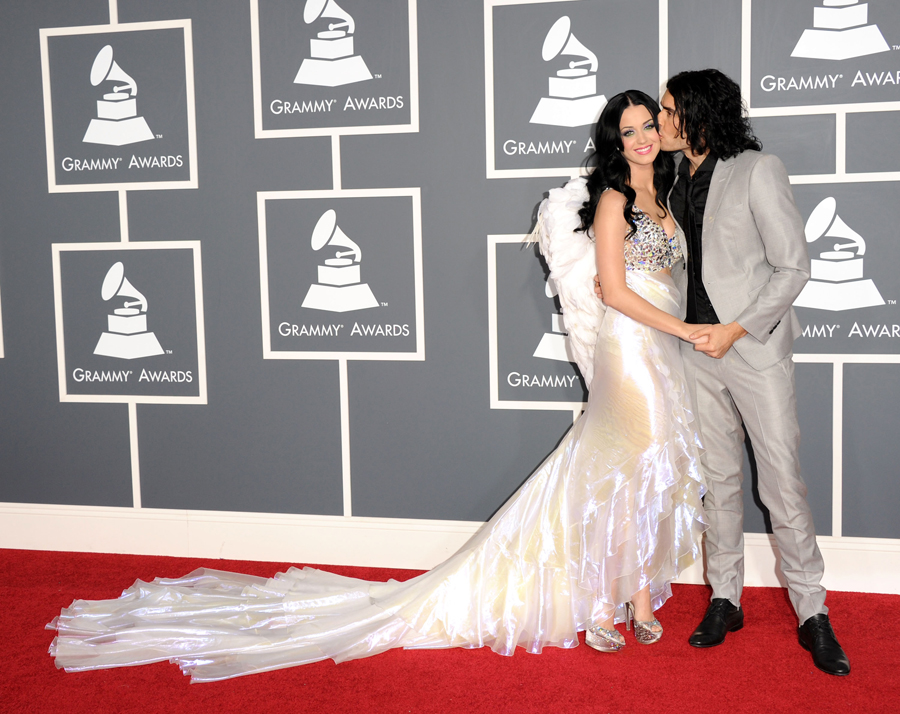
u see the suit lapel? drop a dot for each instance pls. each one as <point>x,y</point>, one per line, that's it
<point>679,157</point>
<point>720,178</point>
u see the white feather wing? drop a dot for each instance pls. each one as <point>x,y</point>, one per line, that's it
<point>571,258</point>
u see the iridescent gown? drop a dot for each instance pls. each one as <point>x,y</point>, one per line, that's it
<point>614,508</point>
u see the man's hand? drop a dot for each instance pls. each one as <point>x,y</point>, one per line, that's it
<point>719,340</point>
<point>597,287</point>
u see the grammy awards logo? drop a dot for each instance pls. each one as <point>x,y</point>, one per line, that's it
<point>836,281</point>
<point>117,122</point>
<point>573,99</point>
<point>339,288</point>
<point>331,62</point>
<point>553,344</point>
<point>840,32</point>
<point>127,336</point>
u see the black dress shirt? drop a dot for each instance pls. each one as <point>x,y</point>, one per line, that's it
<point>688,202</point>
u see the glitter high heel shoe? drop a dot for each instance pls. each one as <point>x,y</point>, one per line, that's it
<point>603,639</point>
<point>643,630</point>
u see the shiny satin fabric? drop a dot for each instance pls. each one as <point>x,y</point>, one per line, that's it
<point>614,508</point>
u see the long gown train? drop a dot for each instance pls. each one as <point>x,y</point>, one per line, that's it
<point>614,508</point>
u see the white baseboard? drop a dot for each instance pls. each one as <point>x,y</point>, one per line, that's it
<point>854,564</point>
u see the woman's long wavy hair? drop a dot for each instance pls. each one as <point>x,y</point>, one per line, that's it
<point>711,114</point>
<point>611,168</point>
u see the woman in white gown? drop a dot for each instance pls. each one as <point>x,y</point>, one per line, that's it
<point>611,517</point>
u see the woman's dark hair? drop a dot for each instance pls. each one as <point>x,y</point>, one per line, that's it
<point>611,168</point>
<point>711,113</point>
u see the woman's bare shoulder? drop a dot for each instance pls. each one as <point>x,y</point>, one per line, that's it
<point>610,205</point>
<point>611,198</point>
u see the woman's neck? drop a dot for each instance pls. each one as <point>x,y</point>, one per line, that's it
<point>641,179</point>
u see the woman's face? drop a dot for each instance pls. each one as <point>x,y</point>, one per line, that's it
<point>640,140</point>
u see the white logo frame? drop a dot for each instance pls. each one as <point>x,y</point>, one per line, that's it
<point>336,131</point>
<point>416,195</point>
<point>492,172</point>
<point>839,111</point>
<point>493,356</point>
<point>185,26</point>
<point>64,396</point>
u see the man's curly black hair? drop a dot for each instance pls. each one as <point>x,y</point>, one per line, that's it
<point>711,113</point>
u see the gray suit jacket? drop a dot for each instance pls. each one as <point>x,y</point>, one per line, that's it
<point>755,261</point>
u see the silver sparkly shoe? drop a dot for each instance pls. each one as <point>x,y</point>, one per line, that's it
<point>604,640</point>
<point>644,631</point>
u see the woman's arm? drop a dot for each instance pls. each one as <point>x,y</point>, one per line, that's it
<point>610,229</point>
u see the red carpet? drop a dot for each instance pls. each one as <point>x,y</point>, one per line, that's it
<point>759,669</point>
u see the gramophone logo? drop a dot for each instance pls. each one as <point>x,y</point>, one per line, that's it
<point>331,62</point>
<point>840,31</point>
<point>117,122</point>
<point>573,99</point>
<point>127,336</point>
<point>836,281</point>
<point>338,288</point>
<point>553,344</point>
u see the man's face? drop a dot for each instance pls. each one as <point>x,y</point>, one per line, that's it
<point>671,138</point>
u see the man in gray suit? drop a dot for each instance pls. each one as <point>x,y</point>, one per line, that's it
<point>747,262</point>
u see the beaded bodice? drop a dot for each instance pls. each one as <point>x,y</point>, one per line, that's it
<point>650,249</point>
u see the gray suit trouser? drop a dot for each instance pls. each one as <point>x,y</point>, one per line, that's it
<point>726,392</point>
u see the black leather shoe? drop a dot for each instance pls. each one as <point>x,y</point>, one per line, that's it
<point>721,618</point>
<point>816,636</point>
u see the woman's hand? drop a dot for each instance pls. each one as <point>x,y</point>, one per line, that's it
<point>716,339</point>
<point>691,329</point>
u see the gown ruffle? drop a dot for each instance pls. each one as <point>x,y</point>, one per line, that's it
<point>614,508</point>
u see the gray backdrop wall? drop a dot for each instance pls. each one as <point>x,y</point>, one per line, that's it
<point>262,290</point>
